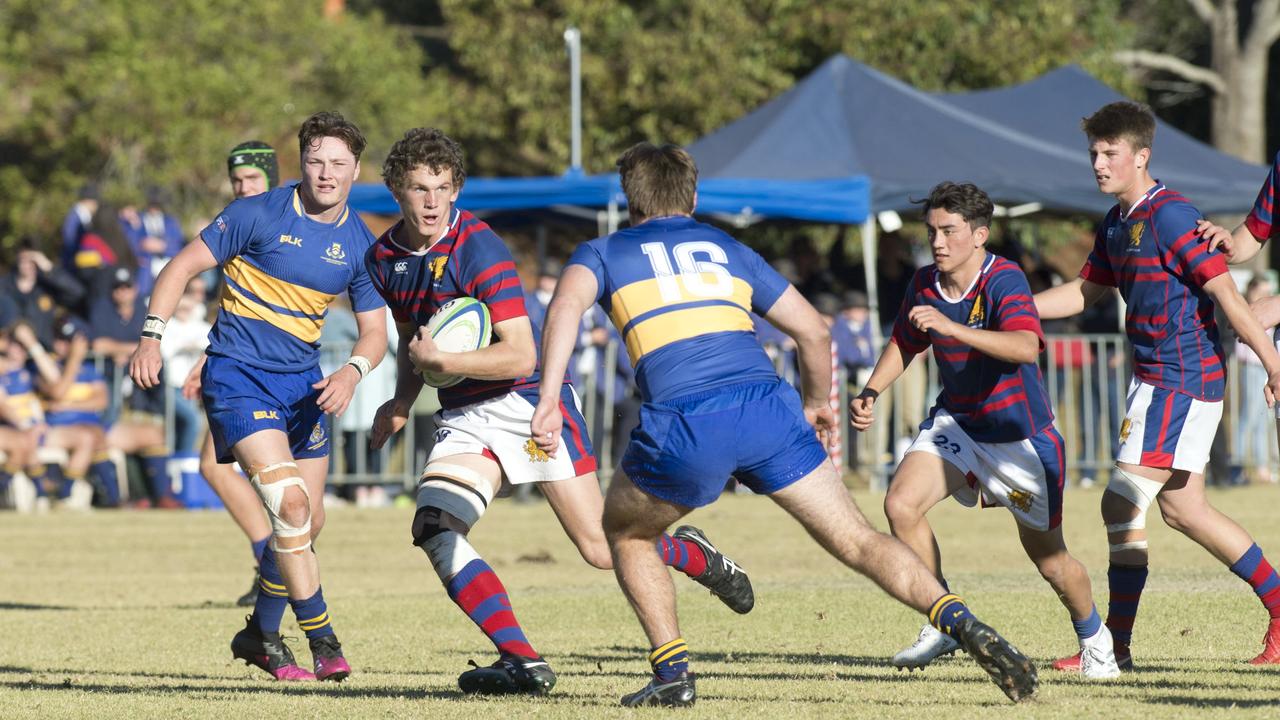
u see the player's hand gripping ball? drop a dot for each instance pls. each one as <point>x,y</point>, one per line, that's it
<point>460,325</point>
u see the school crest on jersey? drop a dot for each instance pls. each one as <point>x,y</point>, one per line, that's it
<point>437,266</point>
<point>1135,233</point>
<point>978,315</point>
<point>335,254</point>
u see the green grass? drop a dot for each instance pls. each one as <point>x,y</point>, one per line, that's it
<point>126,615</point>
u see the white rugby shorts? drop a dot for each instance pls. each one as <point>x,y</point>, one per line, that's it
<point>1024,476</point>
<point>1167,429</point>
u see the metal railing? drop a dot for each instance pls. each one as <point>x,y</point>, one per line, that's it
<point>1086,376</point>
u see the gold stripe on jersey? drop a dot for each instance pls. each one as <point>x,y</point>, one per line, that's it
<point>275,291</point>
<point>681,324</point>
<point>25,407</point>
<point>638,298</point>
<point>305,329</point>
<point>81,392</point>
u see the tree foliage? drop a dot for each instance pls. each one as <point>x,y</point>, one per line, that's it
<point>673,70</point>
<point>154,94</point>
<point>137,94</point>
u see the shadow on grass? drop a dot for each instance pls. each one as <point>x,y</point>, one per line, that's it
<point>33,606</point>
<point>233,689</point>
<point>1269,704</point>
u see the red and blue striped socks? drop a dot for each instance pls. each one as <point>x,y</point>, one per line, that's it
<point>1254,569</point>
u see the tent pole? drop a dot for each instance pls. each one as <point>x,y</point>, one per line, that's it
<point>869,270</point>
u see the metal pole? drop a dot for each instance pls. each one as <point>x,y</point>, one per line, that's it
<point>573,43</point>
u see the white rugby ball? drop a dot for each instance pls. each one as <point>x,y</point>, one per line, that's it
<point>460,325</point>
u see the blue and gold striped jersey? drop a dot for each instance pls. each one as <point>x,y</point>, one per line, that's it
<point>20,395</point>
<point>281,270</point>
<point>681,292</point>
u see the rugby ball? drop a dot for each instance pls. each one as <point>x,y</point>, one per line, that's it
<point>460,325</point>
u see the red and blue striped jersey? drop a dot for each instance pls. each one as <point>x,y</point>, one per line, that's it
<point>469,260</point>
<point>1156,258</point>
<point>1261,222</point>
<point>994,401</point>
<point>681,294</point>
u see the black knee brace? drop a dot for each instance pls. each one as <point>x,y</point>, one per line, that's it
<point>426,524</point>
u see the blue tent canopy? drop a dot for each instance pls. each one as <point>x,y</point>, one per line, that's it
<point>479,194</point>
<point>1051,107</point>
<point>1021,144</point>
<point>838,200</point>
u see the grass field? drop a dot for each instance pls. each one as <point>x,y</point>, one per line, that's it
<point>129,615</point>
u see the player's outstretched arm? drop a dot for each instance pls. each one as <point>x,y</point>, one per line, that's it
<point>1223,291</point>
<point>793,315</point>
<point>195,258</point>
<point>1238,247</point>
<point>575,292</point>
<point>394,413</point>
<point>1069,298</point>
<point>371,344</point>
<point>893,361</point>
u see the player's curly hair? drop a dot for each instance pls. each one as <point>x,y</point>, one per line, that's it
<point>330,124</point>
<point>658,180</point>
<point>964,199</point>
<point>423,147</point>
<point>1122,120</point>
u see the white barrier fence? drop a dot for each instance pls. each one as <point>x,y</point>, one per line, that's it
<point>1086,375</point>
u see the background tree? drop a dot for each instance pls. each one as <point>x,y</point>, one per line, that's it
<point>138,94</point>
<point>1240,36</point>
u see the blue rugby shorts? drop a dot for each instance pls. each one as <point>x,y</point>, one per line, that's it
<point>686,448</point>
<point>242,400</point>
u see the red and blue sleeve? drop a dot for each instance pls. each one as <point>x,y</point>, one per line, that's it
<point>1183,250</point>
<point>1098,269</point>
<point>487,273</point>
<point>905,335</point>
<point>1013,308</point>
<point>1261,221</point>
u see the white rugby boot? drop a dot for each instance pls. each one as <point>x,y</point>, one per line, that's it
<point>932,643</point>
<point>1098,656</point>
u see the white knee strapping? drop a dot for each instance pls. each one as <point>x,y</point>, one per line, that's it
<point>449,552</point>
<point>1141,492</point>
<point>272,495</point>
<point>1136,489</point>
<point>459,491</point>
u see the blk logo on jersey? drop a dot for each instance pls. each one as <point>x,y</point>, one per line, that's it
<point>291,240</point>
<point>266,415</point>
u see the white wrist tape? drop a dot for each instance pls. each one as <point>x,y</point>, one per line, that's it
<point>361,364</point>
